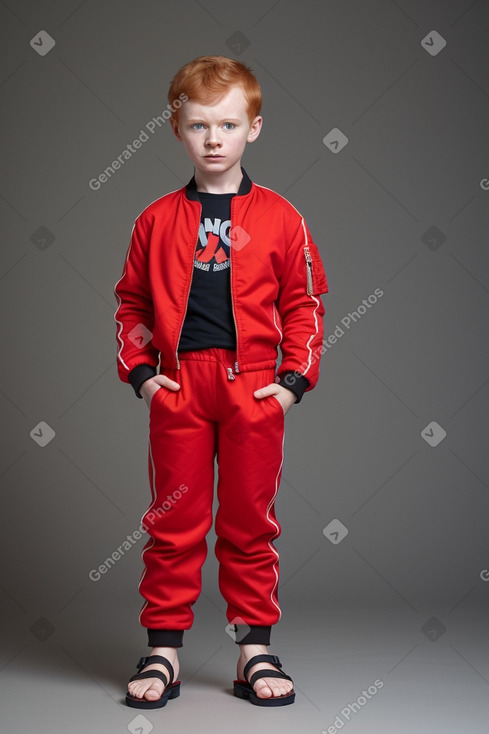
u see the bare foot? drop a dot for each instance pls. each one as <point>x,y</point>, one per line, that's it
<point>263,687</point>
<point>152,688</point>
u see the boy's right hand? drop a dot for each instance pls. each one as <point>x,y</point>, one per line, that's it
<point>153,384</point>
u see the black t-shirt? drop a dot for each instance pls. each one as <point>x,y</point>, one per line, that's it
<point>209,318</point>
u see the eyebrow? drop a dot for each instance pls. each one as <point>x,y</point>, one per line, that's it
<point>225,119</point>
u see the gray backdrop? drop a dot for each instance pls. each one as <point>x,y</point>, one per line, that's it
<point>375,127</point>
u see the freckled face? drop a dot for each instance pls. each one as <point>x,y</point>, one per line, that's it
<point>215,135</point>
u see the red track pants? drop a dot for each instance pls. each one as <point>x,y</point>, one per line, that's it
<point>212,415</point>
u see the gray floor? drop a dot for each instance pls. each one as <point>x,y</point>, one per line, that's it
<point>416,684</point>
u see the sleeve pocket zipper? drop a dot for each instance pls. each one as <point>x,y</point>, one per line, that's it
<point>309,271</point>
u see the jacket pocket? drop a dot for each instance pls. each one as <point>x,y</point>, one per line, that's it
<point>316,282</point>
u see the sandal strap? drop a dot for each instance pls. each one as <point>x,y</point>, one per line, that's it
<point>267,673</point>
<point>149,659</point>
<point>263,658</point>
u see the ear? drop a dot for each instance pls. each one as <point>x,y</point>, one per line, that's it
<point>255,129</point>
<point>174,126</point>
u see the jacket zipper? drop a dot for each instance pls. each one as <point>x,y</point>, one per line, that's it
<point>186,304</point>
<point>236,366</point>
<point>308,270</point>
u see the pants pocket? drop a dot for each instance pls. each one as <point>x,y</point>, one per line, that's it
<point>153,399</point>
<point>275,400</point>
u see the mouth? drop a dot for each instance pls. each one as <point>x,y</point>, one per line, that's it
<point>214,156</point>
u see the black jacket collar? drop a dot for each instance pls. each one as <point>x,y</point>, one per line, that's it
<point>244,187</point>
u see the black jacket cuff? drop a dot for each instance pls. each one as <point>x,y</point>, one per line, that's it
<point>139,374</point>
<point>297,383</point>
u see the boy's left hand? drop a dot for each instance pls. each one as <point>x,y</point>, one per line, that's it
<point>285,397</point>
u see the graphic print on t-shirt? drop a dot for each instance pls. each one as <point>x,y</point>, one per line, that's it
<point>212,252</point>
<point>209,320</point>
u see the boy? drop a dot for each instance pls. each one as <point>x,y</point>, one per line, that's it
<point>218,273</point>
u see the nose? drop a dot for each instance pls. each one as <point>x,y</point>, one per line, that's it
<point>212,137</point>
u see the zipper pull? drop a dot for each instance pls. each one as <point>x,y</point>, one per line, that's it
<point>308,271</point>
<point>230,373</point>
<point>236,367</point>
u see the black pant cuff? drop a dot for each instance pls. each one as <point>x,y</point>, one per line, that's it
<point>248,634</point>
<point>165,638</point>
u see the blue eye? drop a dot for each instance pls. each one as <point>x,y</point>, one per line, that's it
<point>229,123</point>
<point>196,123</point>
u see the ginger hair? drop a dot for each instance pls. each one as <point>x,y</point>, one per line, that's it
<point>208,78</point>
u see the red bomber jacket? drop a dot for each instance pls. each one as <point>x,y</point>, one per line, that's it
<point>276,274</point>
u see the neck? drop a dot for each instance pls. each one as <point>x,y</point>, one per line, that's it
<point>225,182</point>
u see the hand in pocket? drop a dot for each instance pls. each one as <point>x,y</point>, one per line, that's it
<point>153,384</point>
<point>282,394</point>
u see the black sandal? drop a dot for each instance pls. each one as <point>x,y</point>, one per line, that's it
<point>172,689</point>
<point>244,689</point>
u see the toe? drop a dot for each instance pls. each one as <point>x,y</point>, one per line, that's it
<point>262,689</point>
<point>152,693</point>
<point>149,690</point>
<point>276,687</point>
